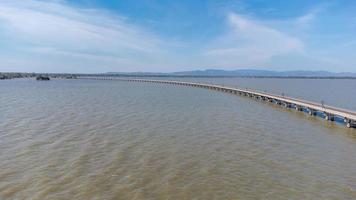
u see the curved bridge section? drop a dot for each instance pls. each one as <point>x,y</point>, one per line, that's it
<point>327,112</point>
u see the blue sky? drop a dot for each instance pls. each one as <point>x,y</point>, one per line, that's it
<point>164,36</point>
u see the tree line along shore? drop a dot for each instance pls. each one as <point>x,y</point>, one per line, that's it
<point>14,75</point>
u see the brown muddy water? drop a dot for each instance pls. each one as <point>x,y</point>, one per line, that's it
<point>86,139</point>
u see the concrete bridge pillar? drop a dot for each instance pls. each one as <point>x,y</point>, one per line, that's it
<point>329,116</point>
<point>298,108</point>
<point>311,111</point>
<point>350,123</point>
<point>286,105</point>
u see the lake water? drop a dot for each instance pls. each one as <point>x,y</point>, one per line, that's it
<point>87,139</point>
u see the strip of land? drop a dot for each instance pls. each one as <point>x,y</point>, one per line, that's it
<point>13,75</point>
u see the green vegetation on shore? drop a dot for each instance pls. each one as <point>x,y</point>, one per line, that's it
<point>13,75</point>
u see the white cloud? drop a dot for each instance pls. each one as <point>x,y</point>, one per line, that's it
<point>251,43</point>
<point>54,36</point>
<point>306,20</point>
<point>56,28</point>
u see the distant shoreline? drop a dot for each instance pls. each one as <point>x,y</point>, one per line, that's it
<point>14,75</point>
<point>217,76</point>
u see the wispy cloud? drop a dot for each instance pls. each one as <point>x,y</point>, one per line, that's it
<point>53,35</point>
<point>306,20</point>
<point>251,43</point>
<point>55,28</point>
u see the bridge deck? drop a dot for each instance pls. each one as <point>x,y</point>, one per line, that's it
<point>329,111</point>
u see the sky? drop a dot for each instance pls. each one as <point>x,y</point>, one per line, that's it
<point>94,36</point>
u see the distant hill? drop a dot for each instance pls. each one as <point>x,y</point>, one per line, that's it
<point>255,72</point>
<point>243,73</point>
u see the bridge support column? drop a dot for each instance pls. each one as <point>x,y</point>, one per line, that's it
<point>350,123</point>
<point>286,105</point>
<point>298,108</point>
<point>329,116</point>
<point>311,111</point>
